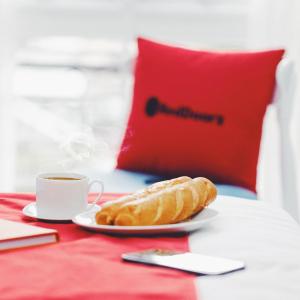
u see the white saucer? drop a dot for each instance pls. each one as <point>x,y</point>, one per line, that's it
<point>87,220</point>
<point>31,211</point>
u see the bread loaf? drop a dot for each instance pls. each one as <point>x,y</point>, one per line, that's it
<point>109,209</point>
<point>162,203</point>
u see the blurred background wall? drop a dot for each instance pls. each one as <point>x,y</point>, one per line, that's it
<point>66,75</point>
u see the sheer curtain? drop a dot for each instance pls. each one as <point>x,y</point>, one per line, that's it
<point>7,158</point>
<point>294,51</point>
<point>276,24</point>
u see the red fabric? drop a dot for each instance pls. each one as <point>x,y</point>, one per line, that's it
<point>198,113</point>
<point>85,265</point>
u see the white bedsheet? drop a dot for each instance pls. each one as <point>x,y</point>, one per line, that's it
<point>266,238</point>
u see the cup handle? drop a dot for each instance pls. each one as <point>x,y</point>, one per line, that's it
<point>99,194</point>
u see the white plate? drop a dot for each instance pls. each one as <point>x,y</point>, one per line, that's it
<point>31,212</point>
<point>87,220</point>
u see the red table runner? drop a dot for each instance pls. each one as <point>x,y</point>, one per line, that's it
<point>85,265</point>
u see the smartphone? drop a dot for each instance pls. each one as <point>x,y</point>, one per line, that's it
<point>185,261</point>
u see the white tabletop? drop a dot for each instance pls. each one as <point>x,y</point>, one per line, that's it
<point>266,238</point>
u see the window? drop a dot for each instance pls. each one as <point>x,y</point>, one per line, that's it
<point>73,80</point>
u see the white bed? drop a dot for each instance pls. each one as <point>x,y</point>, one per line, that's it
<point>266,238</point>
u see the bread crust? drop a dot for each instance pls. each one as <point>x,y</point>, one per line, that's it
<point>109,209</point>
<point>163,203</point>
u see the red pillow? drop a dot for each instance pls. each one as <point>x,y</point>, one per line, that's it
<point>198,113</point>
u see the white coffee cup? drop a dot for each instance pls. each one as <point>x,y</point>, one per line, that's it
<point>61,196</point>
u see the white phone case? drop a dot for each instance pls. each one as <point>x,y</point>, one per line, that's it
<point>185,261</point>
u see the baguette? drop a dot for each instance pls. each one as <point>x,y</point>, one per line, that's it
<point>162,203</point>
<point>172,205</point>
<point>107,214</point>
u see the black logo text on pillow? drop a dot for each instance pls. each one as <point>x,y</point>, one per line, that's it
<point>154,106</point>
